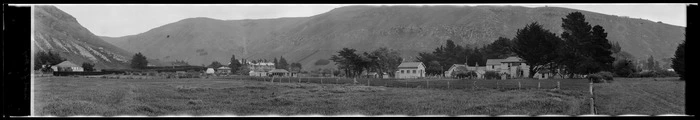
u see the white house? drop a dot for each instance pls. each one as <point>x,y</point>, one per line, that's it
<point>480,70</point>
<point>411,70</point>
<point>210,71</point>
<point>67,66</point>
<point>511,67</point>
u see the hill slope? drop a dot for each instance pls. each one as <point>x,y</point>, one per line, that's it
<point>59,32</point>
<point>410,29</point>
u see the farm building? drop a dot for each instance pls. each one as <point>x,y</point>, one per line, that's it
<point>67,66</point>
<point>411,70</point>
<point>223,70</point>
<point>280,72</point>
<point>511,67</point>
<point>480,70</point>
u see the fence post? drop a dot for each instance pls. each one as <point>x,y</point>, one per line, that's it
<point>427,84</point>
<point>538,85</point>
<point>299,79</point>
<point>519,86</point>
<point>406,83</point>
<point>336,80</point>
<point>497,86</point>
<point>448,85</point>
<point>558,85</point>
<point>368,84</point>
<point>474,85</point>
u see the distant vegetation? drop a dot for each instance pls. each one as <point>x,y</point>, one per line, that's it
<point>381,60</point>
<point>44,60</point>
<point>139,61</point>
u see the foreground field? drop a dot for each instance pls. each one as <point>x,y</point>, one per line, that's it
<point>64,96</point>
<point>641,96</point>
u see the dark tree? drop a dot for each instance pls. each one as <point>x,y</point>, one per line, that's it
<point>499,49</point>
<point>347,61</point>
<point>435,67</point>
<point>296,67</point>
<point>277,63</point>
<point>89,67</point>
<point>43,60</point>
<point>283,63</point>
<point>602,49</point>
<point>536,46</point>
<point>139,61</point>
<point>235,65</point>
<point>586,49</point>
<point>215,65</point>
<point>679,60</point>
<point>385,60</point>
<point>624,67</point>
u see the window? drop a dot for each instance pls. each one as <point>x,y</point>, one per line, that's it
<point>401,71</point>
<point>414,71</point>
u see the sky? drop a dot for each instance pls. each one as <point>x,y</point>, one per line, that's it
<point>122,20</point>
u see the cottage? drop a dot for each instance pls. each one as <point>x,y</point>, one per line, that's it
<point>279,72</point>
<point>411,70</point>
<point>511,67</point>
<point>223,70</point>
<point>67,66</point>
<point>480,70</point>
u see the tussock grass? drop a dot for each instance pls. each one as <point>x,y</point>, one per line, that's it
<point>65,96</point>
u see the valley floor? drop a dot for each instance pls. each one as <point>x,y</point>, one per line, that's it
<point>67,96</point>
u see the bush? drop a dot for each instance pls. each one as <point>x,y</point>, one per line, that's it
<point>464,74</point>
<point>600,77</point>
<point>492,75</point>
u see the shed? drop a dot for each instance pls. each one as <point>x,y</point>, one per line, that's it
<point>67,66</point>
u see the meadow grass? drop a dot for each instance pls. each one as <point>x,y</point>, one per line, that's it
<point>649,96</point>
<point>66,96</point>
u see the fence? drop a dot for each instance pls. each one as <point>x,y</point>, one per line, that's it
<point>565,84</point>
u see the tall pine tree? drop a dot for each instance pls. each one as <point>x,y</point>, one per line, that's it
<point>679,60</point>
<point>536,46</point>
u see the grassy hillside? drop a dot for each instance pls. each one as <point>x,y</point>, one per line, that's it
<point>409,29</point>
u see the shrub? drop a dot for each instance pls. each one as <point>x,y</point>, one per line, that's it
<point>464,74</point>
<point>600,77</point>
<point>492,75</point>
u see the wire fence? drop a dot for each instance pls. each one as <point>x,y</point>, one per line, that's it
<point>564,84</point>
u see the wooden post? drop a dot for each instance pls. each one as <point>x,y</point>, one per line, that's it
<point>368,84</point>
<point>406,83</point>
<point>497,87</point>
<point>336,80</point>
<point>448,84</point>
<point>519,85</point>
<point>299,79</point>
<point>558,85</point>
<point>474,85</point>
<point>538,85</point>
<point>427,83</point>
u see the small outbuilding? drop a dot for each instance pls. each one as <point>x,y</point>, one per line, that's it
<point>67,66</point>
<point>411,70</point>
<point>279,72</point>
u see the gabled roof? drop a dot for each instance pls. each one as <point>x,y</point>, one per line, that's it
<point>494,61</point>
<point>411,64</point>
<point>279,71</point>
<point>513,59</point>
<point>66,64</point>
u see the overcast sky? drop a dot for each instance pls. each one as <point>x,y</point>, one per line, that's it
<point>122,20</point>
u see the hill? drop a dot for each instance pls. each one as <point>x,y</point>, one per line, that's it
<point>409,29</point>
<point>57,31</point>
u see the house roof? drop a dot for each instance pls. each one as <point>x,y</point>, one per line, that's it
<point>513,59</point>
<point>224,67</point>
<point>410,64</point>
<point>66,64</point>
<point>494,61</point>
<point>279,71</point>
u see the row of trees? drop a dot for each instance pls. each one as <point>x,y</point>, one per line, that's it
<point>443,57</point>
<point>581,49</point>
<point>382,60</point>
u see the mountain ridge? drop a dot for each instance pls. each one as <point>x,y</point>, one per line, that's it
<point>409,29</point>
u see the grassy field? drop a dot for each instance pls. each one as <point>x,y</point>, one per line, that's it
<point>564,84</point>
<point>63,96</point>
<point>641,96</point>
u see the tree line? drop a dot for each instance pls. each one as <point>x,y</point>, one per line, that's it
<point>381,60</point>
